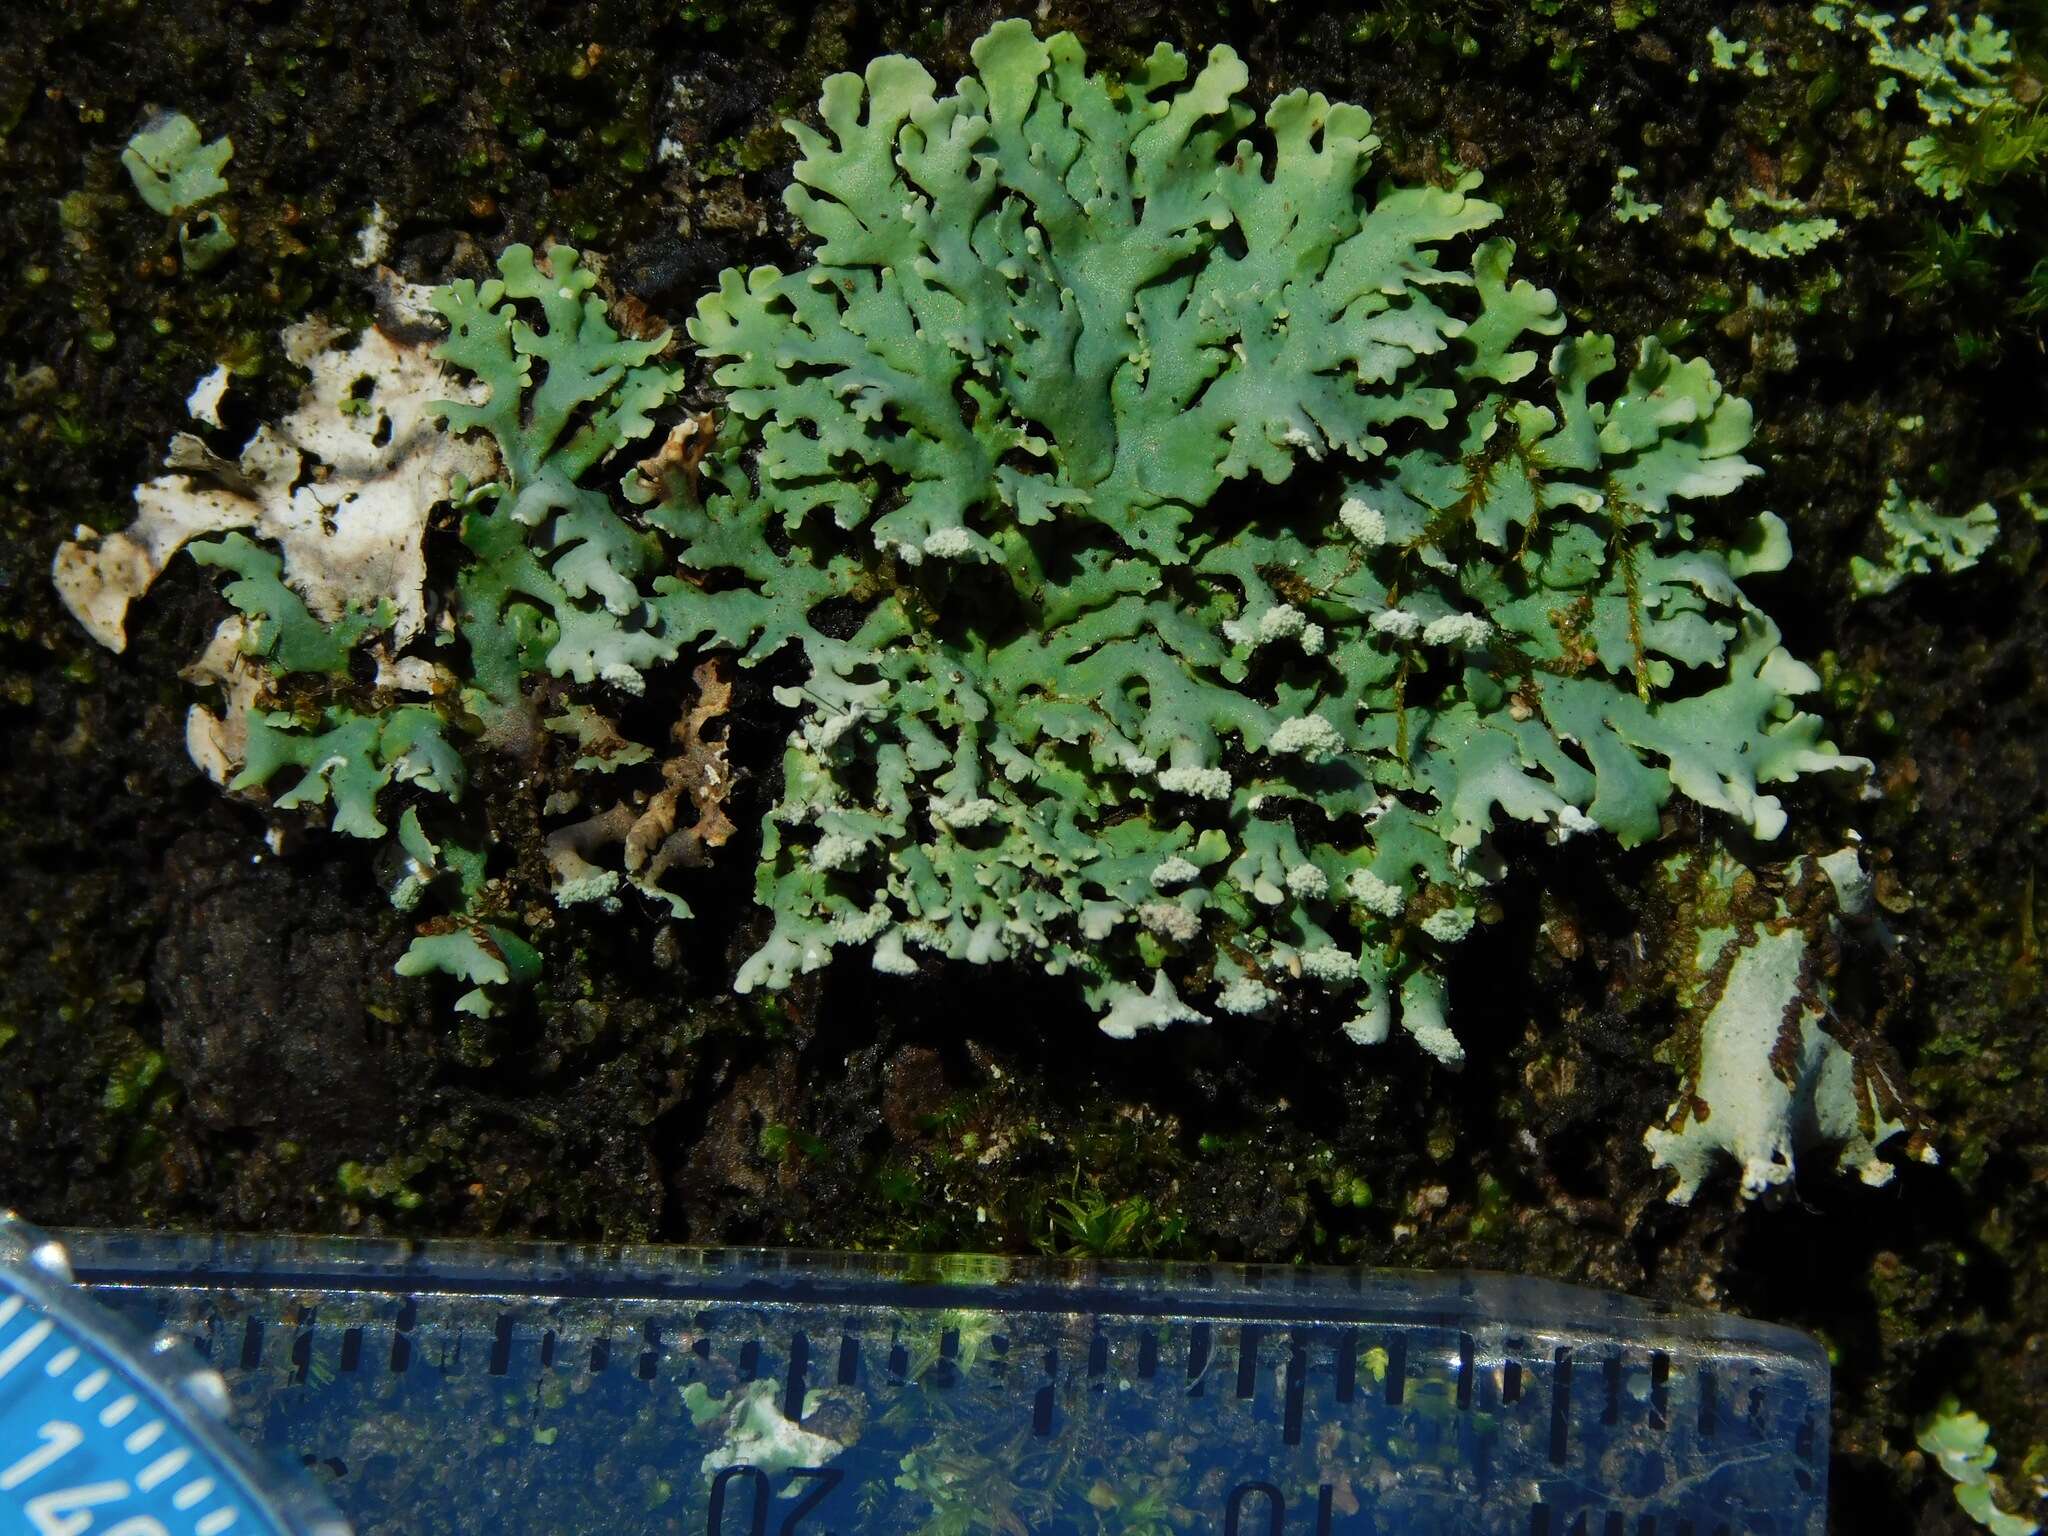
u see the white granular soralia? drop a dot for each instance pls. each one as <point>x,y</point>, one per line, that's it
<point>1244,995</point>
<point>1375,894</point>
<point>1310,736</point>
<point>1457,629</point>
<point>1306,882</point>
<point>1329,964</point>
<point>1208,783</point>
<point>1365,524</point>
<point>1170,921</point>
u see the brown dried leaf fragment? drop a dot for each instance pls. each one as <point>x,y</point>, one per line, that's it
<point>700,772</point>
<point>680,456</point>
<point>652,837</point>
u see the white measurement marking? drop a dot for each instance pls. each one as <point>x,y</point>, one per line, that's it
<point>116,1411</point>
<point>8,1308</point>
<point>89,1388</point>
<point>143,1438</point>
<point>61,1362</point>
<point>215,1523</point>
<point>59,1439</point>
<point>165,1466</point>
<point>192,1493</point>
<point>24,1346</point>
<point>61,1511</point>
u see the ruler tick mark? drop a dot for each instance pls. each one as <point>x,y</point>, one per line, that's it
<point>29,1341</point>
<point>1709,1415</point>
<point>649,1357</point>
<point>1041,1405</point>
<point>401,1342</point>
<point>849,1360</point>
<point>1465,1353</point>
<point>1248,1360</point>
<point>750,1359</point>
<point>1397,1369</point>
<point>1347,1365</point>
<point>1610,1411</point>
<point>1148,1355</point>
<point>1198,1357</point>
<point>1660,1389</point>
<point>351,1348</point>
<point>1560,1405</point>
<point>1297,1369</point>
<point>501,1345</point>
<point>144,1437</point>
<point>793,1383</point>
<point>160,1469</point>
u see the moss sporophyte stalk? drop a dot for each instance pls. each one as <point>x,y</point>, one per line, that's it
<point>1187,547</point>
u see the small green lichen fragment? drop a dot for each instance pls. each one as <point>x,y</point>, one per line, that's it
<point>1629,208</point>
<point>754,1432</point>
<point>172,170</point>
<point>1787,238</point>
<point>482,954</point>
<point>1919,541</point>
<point>1970,87</point>
<point>347,759</point>
<point>1960,1443</point>
<point>1730,54</point>
<point>1955,73</point>
<point>280,628</point>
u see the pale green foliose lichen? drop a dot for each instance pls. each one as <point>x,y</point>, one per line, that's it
<point>754,1431</point>
<point>1774,242</point>
<point>1962,78</point>
<point>1629,208</point>
<point>1768,1067</point>
<point>1960,1443</point>
<point>172,169</point>
<point>175,173</point>
<point>1918,541</point>
<point>1014,433</point>
<point>1076,685</point>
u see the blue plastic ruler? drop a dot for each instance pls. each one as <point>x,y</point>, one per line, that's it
<point>449,1388</point>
